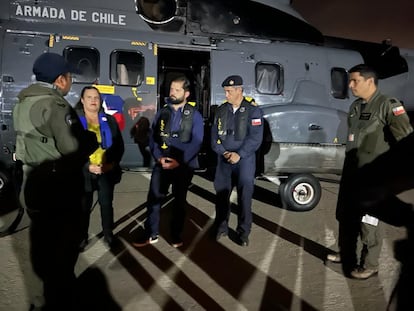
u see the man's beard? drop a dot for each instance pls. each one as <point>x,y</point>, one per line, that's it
<point>174,101</point>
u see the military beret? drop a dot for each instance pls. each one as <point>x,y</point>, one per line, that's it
<point>232,81</point>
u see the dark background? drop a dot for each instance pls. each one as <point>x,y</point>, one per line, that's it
<point>366,20</point>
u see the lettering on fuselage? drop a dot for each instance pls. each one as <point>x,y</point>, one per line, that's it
<point>52,13</point>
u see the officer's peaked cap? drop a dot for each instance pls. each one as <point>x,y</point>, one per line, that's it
<point>232,81</point>
<point>48,66</point>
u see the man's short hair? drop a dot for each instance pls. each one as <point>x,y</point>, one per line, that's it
<point>185,81</point>
<point>365,71</point>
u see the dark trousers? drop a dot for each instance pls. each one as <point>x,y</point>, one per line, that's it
<point>53,202</point>
<point>241,175</point>
<point>180,179</point>
<point>104,185</point>
<point>146,154</point>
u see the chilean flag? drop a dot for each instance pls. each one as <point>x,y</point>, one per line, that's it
<point>256,122</point>
<point>112,105</point>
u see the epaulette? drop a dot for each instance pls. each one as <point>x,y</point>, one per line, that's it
<point>192,104</point>
<point>250,100</point>
<point>393,101</point>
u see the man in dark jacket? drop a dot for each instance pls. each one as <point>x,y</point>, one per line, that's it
<point>53,146</point>
<point>177,134</point>
<point>236,135</point>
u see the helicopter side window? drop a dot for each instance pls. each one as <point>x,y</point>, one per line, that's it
<point>127,68</point>
<point>269,78</point>
<point>86,61</point>
<point>339,83</point>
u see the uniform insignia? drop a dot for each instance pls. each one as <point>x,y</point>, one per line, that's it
<point>186,112</point>
<point>164,146</point>
<point>398,110</point>
<point>365,116</point>
<point>218,141</point>
<point>250,100</point>
<point>256,122</point>
<point>242,109</point>
<point>68,119</point>
<point>231,82</point>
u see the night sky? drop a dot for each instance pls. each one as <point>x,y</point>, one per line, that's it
<point>366,20</point>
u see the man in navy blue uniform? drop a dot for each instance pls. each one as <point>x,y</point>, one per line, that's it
<point>236,134</point>
<point>176,138</point>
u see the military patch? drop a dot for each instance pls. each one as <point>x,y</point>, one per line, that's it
<point>186,112</point>
<point>365,116</point>
<point>398,110</point>
<point>242,109</point>
<point>256,122</point>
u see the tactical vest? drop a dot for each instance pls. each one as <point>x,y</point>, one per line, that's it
<point>32,147</point>
<point>241,120</point>
<point>163,127</point>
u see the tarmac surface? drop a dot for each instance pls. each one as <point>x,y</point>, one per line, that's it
<point>283,268</point>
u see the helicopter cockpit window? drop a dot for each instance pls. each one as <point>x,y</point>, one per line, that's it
<point>269,78</point>
<point>86,61</point>
<point>156,11</point>
<point>339,83</point>
<point>127,68</point>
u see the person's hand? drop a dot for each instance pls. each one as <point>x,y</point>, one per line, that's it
<point>232,157</point>
<point>168,163</point>
<point>227,155</point>
<point>95,169</point>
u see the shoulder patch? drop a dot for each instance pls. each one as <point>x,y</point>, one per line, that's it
<point>192,104</point>
<point>398,110</point>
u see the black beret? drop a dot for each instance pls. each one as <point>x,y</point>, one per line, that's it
<point>232,81</point>
<point>49,66</point>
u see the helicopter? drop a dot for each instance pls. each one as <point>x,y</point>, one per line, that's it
<point>131,50</point>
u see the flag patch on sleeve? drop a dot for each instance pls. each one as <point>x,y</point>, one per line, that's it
<point>398,110</point>
<point>256,122</point>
